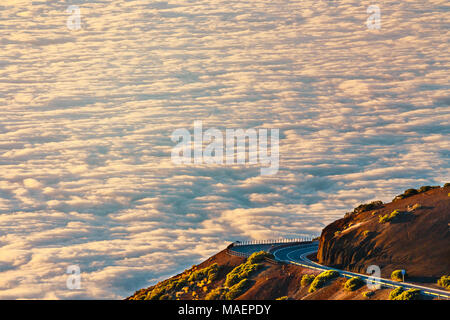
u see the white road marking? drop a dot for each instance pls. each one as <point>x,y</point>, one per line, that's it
<point>303,257</point>
<point>313,265</point>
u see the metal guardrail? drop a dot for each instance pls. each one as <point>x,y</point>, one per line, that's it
<point>273,241</point>
<point>238,254</point>
<point>283,245</point>
<point>246,255</point>
<point>319,268</point>
<point>385,284</point>
<point>278,242</point>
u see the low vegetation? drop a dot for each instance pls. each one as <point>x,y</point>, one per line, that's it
<point>394,293</point>
<point>229,293</point>
<point>259,257</point>
<point>210,274</point>
<point>217,294</point>
<point>397,275</point>
<point>388,217</point>
<point>365,207</point>
<point>171,288</point>
<point>236,281</point>
<point>368,206</point>
<point>238,289</point>
<point>244,270</point>
<point>239,273</point>
<point>408,193</point>
<point>322,279</point>
<point>414,207</point>
<point>307,279</point>
<point>411,192</point>
<point>411,294</point>
<point>400,294</point>
<point>426,188</point>
<point>444,282</point>
<point>353,284</point>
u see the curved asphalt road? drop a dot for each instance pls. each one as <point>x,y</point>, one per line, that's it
<point>297,254</point>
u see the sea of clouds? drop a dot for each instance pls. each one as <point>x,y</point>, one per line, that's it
<point>86,119</point>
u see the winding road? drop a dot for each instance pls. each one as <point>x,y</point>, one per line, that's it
<point>297,254</point>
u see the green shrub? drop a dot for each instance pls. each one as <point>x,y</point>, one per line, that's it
<point>411,294</point>
<point>388,217</point>
<point>406,194</point>
<point>154,294</point>
<point>414,207</point>
<point>241,272</point>
<point>322,279</point>
<point>444,281</point>
<point>225,293</point>
<point>368,294</point>
<point>426,188</point>
<point>410,192</point>
<point>259,256</point>
<point>213,272</point>
<point>368,206</point>
<point>138,296</point>
<point>238,289</point>
<point>307,279</point>
<point>209,273</point>
<point>217,294</point>
<point>396,275</point>
<point>353,284</point>
<point>394,214</point>
<point>394,293</point>
<point>168,288</point>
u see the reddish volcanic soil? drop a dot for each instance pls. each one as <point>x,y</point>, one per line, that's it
<point>417,241</point>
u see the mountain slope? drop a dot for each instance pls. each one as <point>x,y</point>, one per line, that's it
<point>269,282</point>
<point>416,238</point>
<point>411,233</point>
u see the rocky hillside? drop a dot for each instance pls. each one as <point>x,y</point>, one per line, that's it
<point>226,277</point>
<point>411,233</point>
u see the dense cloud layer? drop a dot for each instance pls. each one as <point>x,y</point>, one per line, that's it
<point>85,171</point>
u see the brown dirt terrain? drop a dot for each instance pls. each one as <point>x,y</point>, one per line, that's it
<point>227,263</point>
<point>417,241</point>
<point>274,281</point>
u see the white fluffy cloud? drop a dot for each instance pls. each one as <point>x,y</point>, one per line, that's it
<point>85,170</point>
